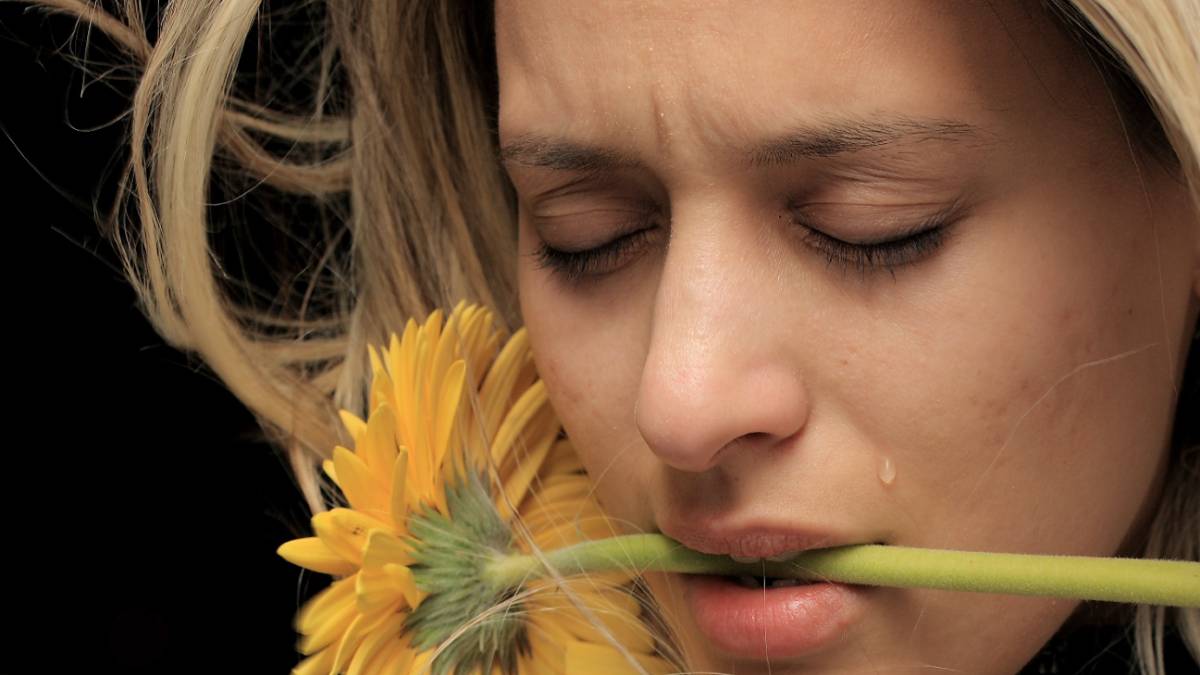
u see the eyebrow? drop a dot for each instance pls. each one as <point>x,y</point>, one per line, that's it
<point>831,139</point>
<point>549,153</point>
<point>820,140</point>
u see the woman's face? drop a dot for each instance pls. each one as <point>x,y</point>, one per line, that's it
<point>1005,383</point>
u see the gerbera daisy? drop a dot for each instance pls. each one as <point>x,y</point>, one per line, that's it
<point>459,461</point>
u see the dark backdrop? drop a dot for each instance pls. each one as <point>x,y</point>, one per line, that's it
<point>147,509</point>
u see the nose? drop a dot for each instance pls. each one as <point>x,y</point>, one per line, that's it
<point>720,370</point>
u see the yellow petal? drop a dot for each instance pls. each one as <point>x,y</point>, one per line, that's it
<point>420,663</point>
<point>392,353</point>
<point>518,483</point>
<point>376,394</point>
<point>432,329</point>
<point>383,548</point>
<point>320,663</point>
<point>399,494</point>
<point>350,641</point>
<point>498,385</point>
<point>355,426</point>
<point>413,594</point>
<point>446,350</point>
<point>387,585</point>
<point>563,458</point>
<point>364,491</point>
<point>397,657</point>
<point>626,627</point>
<point>547,641</point>
<point>449,399</point>
<point>547,516</point>
<point>584,658</point>
<point>575,531</point>
<point>421,403</point>
<point>356,633</point>
<point>568,489</point>
<point>379,451</point>
<point>376,588</point>
<point>382,393</point>
<point>345,531</point>
<point>329,470</point>
<point>326,606</point>
<point>323,633</point>
<point>312,553</point>
<point>530,403</point>
<point>372,652</point>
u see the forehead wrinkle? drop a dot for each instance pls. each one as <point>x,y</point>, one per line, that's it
<point>641,40</point>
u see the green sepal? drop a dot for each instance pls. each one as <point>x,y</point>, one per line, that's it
<point>449,555</point>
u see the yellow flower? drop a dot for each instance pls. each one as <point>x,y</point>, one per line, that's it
<point>458,436</point>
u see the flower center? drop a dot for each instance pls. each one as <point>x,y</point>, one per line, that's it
<point>450,553</point>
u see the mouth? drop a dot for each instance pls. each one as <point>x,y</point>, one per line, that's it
<point>740,615</point>
<point>761,582</point>
<point>757,542</point>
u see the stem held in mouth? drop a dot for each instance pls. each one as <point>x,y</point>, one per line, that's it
<point>1132,580</point>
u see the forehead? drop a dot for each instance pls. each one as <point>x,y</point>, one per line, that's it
<point>670,79</point>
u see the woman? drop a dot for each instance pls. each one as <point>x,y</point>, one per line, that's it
<point>805,275</point>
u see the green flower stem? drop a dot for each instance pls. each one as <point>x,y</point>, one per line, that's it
<point>1132,580</point>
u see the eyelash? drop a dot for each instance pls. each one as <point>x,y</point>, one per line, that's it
<point>573,266</point>
<point>912,246</point>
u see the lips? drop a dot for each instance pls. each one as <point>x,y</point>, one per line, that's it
<point>748,541</point>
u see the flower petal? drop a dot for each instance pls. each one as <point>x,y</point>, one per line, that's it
<point>356,633</point>
<point>421,662</point>
<point>587,658</point>
<point>547,641</point>
<point>449,399</point>
<point>397,658</point>
<point>363,490</point>
<point>518,483</point>
<point>626,627</point>
<point>398,500</point>
<point>380,587</point>
<point>325,606</point>
<point>312,553</point>
<point>372,652</point>
<point>526,407</point>
<point>355,425</point>
<point>345,531</point>
<point>379,451</point>
<point>320,663</point>
<point>323,628</point>
<point>501,378</point>
<point>385,547</point>
<point>413,595</point>
<point>377,394</point>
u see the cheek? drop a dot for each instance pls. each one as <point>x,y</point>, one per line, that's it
<point>592,386</point>
<point>1040,396</point>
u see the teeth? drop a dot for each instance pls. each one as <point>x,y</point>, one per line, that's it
<point>756,582</point>
<point>782,557</point>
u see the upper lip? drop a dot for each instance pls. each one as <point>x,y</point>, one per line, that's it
<point>759,539</point>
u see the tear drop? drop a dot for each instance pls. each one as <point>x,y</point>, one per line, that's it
<point>887,471</point>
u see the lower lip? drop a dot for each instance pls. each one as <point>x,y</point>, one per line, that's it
<point>784,622</point>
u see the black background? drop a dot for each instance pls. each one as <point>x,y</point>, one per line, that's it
<point>147,509</point>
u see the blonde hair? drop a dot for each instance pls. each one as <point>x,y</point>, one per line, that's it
<point>395,151</point>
